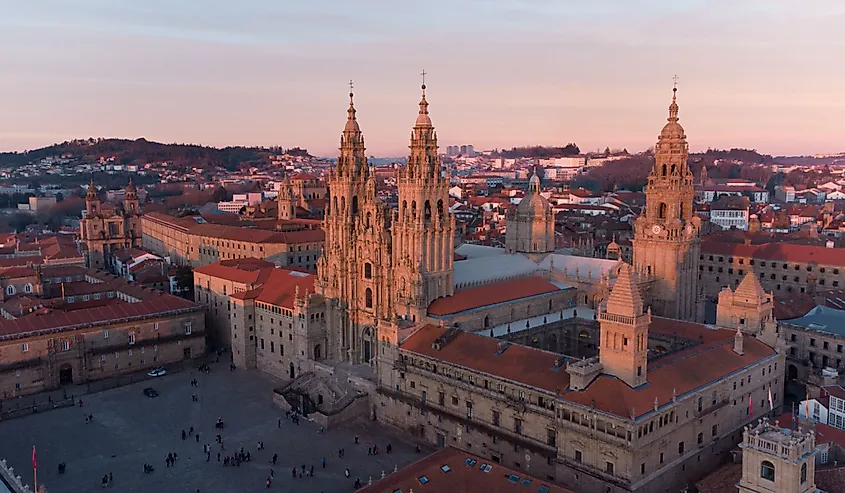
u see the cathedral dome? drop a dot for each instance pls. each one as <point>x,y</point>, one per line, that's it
<point>423,120</point>
<point>534,203</point>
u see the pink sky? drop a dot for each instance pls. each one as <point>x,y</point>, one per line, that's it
<point>762,74</point>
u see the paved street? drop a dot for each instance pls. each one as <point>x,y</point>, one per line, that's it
<point>130,429</point>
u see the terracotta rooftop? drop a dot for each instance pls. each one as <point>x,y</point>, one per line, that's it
<point>781,252</point>
<point>518,363</point>
<point>722,480</point>
<point>490,294</point>
<point>680,372</point>
<point>244,270</point>
<point>280,288</point>
<point>450,470</point>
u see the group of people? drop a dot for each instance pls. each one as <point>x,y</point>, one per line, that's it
<point>107,479</point>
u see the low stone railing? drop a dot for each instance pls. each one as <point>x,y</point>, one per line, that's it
<point>12,480</point>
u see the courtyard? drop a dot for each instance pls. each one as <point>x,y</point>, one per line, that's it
<point>129,430</point>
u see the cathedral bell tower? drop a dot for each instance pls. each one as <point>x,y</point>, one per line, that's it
<point>286,201</point>
<point>92,201</point>
<point>624,332</point>
<point>423,228</point>
<point>354,269</point>
<point>666,235</point>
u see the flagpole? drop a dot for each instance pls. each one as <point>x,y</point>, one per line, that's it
<point>34,470</point>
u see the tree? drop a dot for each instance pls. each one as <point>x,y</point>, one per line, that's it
<point>20,220</point>
<point>220,195</point>
<point>185,282</point>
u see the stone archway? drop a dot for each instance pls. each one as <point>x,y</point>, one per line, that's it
<point>318,353</point>
<point>792,372</point>
<point>65,374</point>
<point>368,346</point>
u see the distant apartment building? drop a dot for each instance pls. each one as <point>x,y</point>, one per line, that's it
<point>785,193</point>
<point>730,212</point>
<point>239,201</point>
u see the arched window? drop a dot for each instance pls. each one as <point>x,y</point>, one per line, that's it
<point>440,208</point>
<point>27,288</point>
<point>368,219</point>
<point>343,205</point>
<point>683,211</point>
<point>803,473</point>
<point>10,290</point>
<point>414,209</point>
<point>427,211</point>
<point>404,207</point>
<point>767,470</point>
<point>368,298</point>
<point>673,169</point>
<point>661,210</point>
<point>664,170</point>
<point>355,205</point>
<point>486,321</point>
<point>368,271</point>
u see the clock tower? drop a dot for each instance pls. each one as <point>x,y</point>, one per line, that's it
<point>666,235</point>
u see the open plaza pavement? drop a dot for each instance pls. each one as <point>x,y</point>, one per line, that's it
<point>129,430</point>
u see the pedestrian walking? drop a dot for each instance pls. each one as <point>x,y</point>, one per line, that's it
<point>346,472</point>
<point>275,458</point>
<point>218,456</point>
<point>272,475</point>
<point>356,439</point>
<point>312,471</point>
<point>293,472</point>
<point>280,423</point>
<point>111,477</point>
<point>324,462</point>
<point>198,437</point>
<point>184,434</point>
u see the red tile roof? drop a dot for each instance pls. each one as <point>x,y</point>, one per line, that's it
<point>280,288</point>
<point>244,270</point>
<point>303,177</point>
<point>681,372</point>
<point>462,477</point>
<point>781,252</point>
<point>518,363</point>
<point>491,294</point>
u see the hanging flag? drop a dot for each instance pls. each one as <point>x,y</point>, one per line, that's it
<point>771,401</point>
<point>34,462</point>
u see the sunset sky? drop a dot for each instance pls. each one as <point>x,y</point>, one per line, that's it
<point>764,74</point>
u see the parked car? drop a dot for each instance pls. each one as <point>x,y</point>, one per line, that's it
<point>150,392</point>
<point>157,372</point>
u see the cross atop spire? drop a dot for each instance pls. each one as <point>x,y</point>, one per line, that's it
<point>351,121</point>
<point>423,119</point>
<point>673,108</point>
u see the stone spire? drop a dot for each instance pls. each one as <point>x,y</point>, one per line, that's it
<point>625,298</point>
<point>131,191</point>
<point>352,160</point>
<point>92,191</point>
<point>423,162</point>
<point>673,108</point>
<point>750,290</point>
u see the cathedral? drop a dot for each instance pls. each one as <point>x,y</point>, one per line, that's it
<point>380,264</point>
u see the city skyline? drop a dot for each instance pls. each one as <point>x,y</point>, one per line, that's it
<point>501,74</point>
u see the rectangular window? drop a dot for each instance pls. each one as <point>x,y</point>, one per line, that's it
<point>272,347</point>
<point>24,347</point>
<point>469,409</point>
<point>65,345</point>
<point>608,467</point>
<point>188,328</point>
<point>517,426</point>
<point>496,418</point>
<point>578,456</point>
<point>680,447</point>
<point>551,437</point>
<point>714,430</point>
<point>131,338</point>
<point>441,398</point>
<point>105,334</point>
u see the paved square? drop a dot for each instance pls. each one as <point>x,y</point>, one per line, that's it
<point>130,429</point>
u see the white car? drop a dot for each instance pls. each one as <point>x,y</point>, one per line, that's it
<point>157,372</point>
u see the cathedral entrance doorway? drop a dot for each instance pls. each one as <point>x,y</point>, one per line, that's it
<point>317,353</point>
<point>367,344</point>
<point>65,374</point>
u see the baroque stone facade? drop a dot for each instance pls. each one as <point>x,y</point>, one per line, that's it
<point>105,228</point>
<point>666,236</point>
